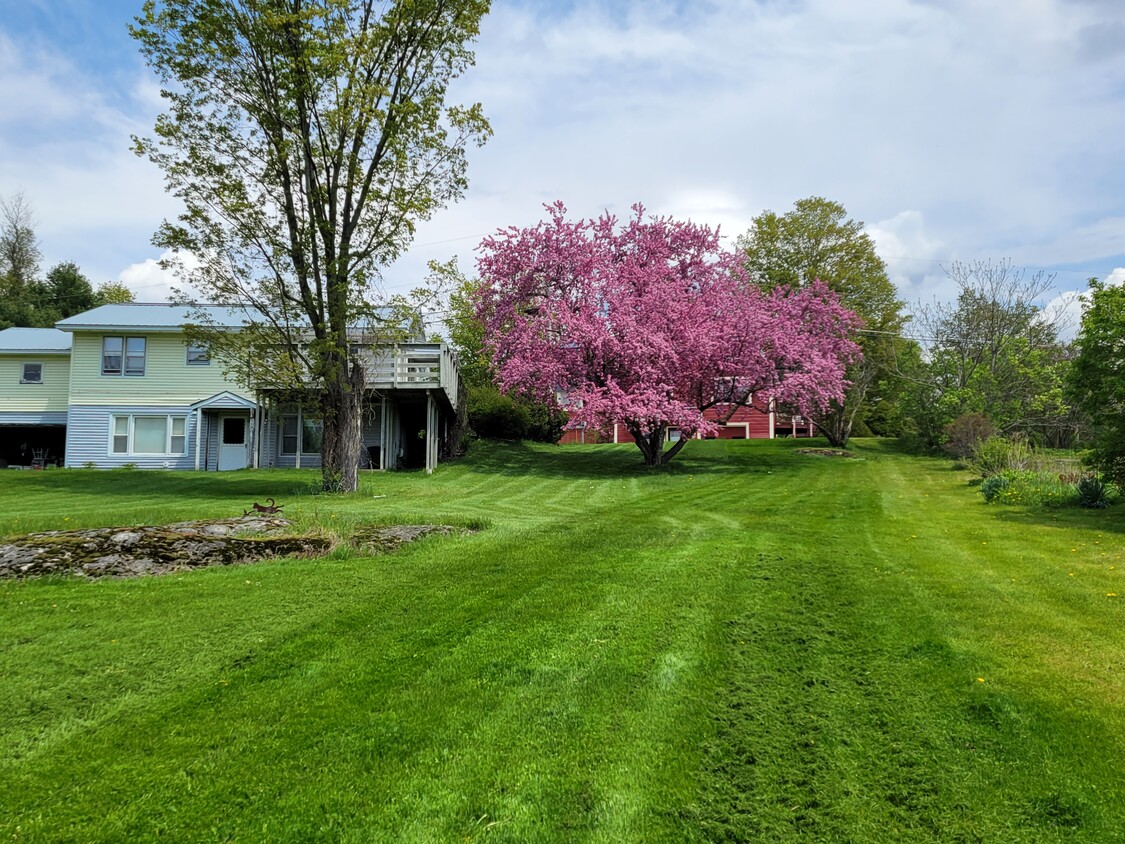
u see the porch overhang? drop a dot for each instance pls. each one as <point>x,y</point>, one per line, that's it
<point>225,400</point>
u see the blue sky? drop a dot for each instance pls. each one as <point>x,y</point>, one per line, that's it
<point>956,129</point>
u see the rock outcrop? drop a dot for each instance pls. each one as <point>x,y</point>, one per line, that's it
<point>133,551</point>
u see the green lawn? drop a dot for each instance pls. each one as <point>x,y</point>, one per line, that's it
<point>751,645</point>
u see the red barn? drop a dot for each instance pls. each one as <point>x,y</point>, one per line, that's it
<point>757,421</point>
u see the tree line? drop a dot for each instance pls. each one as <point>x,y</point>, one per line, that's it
<point>28,299</point>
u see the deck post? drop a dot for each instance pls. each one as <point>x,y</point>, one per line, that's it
<point>383,433</point>
<point>198,434</point>
<point>300,438</point>
<point>431,432</point>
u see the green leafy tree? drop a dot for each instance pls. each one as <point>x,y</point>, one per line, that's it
<point>19,247</point>
<point>1096,382</point>
<point>992,352</point>
<point>69,291</point>
<point>306,139</point>
<point>113,293</point>
<point>21,292</point>
<point>491,413</point>
<point>817,240</point>
<point>466,331</point>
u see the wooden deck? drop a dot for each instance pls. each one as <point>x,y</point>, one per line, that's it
<point>412,366</point>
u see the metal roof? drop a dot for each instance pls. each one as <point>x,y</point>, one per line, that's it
<point>165,317</point>
<point>151,317</point>
<point>43,341</point>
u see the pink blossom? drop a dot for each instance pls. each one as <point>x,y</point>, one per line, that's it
<point>639,324</point>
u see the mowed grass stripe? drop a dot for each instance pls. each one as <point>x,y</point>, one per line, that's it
<point>742,647</point>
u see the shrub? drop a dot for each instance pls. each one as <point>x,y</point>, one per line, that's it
<point>1093,492</point>
<point>993,486</point>
<point>546,422</point>
<point>496,416</point>
<point>997,454</point>
<point>966,432</point>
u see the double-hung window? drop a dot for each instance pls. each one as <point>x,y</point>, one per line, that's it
<point>162,436</point>
<point>311,432</point>
<point>123,356</point>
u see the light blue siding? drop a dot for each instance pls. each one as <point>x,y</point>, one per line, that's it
<point>88,438</point>
<point>33,418</point>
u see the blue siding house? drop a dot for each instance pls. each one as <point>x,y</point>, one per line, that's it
<point>127,387</point>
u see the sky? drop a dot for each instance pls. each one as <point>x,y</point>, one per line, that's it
<point>957,130</point>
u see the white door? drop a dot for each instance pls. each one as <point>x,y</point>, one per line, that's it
<point>232,442</point>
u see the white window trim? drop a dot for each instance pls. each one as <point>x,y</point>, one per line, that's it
<point>132,417</point>
<point>125,338</point>
<point>23,371</point>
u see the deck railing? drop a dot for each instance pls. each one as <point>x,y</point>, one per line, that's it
<point>413,366</point>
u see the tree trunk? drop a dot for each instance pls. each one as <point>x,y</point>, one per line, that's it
<point>343,428</point>
<point>836,423</point>
<point>652,445</point>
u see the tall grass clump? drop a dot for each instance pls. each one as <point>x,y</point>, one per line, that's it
<point>1013,471</point>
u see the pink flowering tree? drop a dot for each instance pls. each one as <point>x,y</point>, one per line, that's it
<point>651,323</point>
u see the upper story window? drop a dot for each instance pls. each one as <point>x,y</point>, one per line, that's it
<point>32,373</point>
<point>123,356</point>
<point>198,355</point>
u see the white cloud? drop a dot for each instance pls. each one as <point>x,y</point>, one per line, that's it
<point>65,142</point>
<point>151,282</point>
<point>1066,309</point>
<point>913,257</point>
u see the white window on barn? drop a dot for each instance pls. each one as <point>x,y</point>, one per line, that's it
<point>32,373</point>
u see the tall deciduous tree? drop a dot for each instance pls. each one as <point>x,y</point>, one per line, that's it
<point>1096,382</point>
<point>817,241</point>
<point>19,247</point>
<point>650,324</point>
<point>992,351</point>
<point>306,138</point>
<point>20,288</point>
